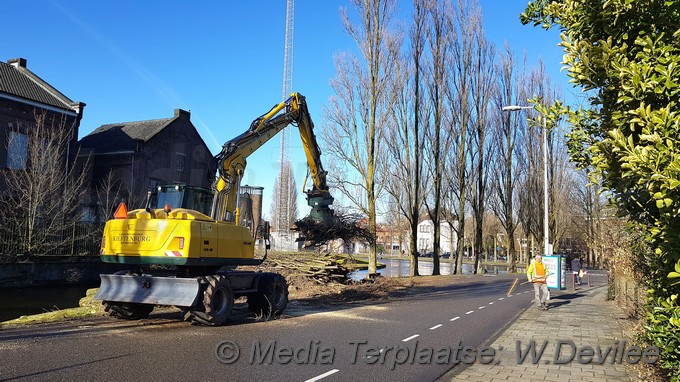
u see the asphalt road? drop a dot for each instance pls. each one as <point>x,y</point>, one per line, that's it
<point>402,339</point>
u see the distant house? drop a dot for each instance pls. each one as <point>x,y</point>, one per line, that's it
<point>392,238</point>
<point>25,99</point>
<point>141,155</point>
<point>447,236</point>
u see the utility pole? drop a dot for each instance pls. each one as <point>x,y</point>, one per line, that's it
<point>283,192</point>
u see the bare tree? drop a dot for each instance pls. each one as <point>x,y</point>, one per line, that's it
<point>482,90</point>
<point>361,108</point>
<point>41,202</point>
<point>109,195</point>
<point>466,25</point>
<point>590,216</point>
<point>505,168</point>
<point>405,136</point>
<point>438,36</point>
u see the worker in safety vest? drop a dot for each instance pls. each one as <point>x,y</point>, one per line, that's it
<point>537,273</point>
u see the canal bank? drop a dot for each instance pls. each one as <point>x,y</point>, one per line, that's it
<point>54,271</point>
<point>48,283</point>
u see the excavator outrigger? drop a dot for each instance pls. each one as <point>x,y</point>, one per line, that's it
<point>195,247</point>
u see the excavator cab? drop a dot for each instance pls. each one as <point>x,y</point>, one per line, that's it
<point>181,196</point>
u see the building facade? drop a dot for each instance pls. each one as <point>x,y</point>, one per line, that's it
<point>448,239</point>
<point>26,101</point>
<point>138,156</point>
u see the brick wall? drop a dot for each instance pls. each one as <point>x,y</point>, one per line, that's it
<point>176,154</point>
<point>16,116</point>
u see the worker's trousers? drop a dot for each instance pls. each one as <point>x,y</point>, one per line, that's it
<point>541,293</point>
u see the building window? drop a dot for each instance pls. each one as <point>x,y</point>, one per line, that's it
<point>180,162</point>
<point>17,151</point>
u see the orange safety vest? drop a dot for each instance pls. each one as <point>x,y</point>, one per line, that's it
<point>536,270</point>
<point>539,271</point>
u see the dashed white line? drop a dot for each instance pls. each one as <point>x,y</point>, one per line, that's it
<point>472,311</point>
<point>436,326</point>
<point>482,307</point>
<point>501,299</point>
<point>410,338</point>
<point>321,376</point>
<point>455,318</point>
<point>491,303</point>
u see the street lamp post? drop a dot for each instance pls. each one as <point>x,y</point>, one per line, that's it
<point>547,249</point>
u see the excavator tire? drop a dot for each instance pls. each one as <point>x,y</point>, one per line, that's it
<point>218,301</point>
<point>127,310</point>
<point>272,296</point>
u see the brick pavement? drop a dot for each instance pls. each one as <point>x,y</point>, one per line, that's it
<point>583,316</point>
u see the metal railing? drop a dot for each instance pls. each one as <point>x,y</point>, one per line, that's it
<point>76,239</point>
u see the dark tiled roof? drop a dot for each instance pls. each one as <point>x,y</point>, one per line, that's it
<point>122,136</point>
<point>20,82</point>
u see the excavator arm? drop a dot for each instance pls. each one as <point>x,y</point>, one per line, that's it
<point>231,161</point>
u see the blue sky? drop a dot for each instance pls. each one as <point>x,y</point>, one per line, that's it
<point>222,60</point>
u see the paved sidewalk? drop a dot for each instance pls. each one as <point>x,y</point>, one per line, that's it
<point>583,316</point>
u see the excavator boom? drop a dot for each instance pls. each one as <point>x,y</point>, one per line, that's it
<point>231,161</point>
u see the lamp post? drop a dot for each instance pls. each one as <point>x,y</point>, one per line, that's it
<point>547,249</point>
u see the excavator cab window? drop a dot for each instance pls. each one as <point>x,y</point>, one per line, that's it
<point>169,195</point>
<point>180,196</point>
<point>198,199</point>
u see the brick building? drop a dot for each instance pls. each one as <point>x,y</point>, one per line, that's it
<point>24,99</point>
<point>143,154</point>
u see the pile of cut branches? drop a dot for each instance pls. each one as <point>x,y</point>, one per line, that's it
<point>348,228</point>
<point>320,267</point>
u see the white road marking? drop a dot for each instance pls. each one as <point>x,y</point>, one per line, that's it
<point>481,307</point>
<point>502,298</point>
<point>455,318</point>
<point>370,356</point>
<point>410,338</point>
<point>491,303</point>
<point>472,311</point>
<point>321,376</point>
<point>436,326</point>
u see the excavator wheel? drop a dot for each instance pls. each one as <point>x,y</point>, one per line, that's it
<point>272,296</point>
<point>127,310</point>
<point>218,301</point>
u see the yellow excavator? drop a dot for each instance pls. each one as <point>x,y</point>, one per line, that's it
<point>179,256</point>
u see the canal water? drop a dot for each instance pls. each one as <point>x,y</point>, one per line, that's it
<point>20,301</point>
